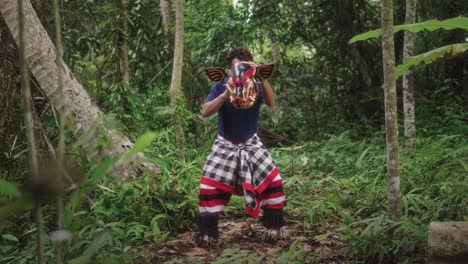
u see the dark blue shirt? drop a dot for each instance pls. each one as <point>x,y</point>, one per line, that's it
<point>236,125</point>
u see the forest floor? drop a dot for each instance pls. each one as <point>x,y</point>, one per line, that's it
<point>238,244</point>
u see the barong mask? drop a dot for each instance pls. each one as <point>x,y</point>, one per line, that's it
<point>242,82</point>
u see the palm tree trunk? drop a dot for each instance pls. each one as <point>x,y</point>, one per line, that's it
<point>391,124</point>
<point>176,81</point>
<point>408,79</point>
<point>76,104</point>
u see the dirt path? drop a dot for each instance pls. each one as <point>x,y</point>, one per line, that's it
<point>238,244</point>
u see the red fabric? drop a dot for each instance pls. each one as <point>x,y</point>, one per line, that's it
<point>248,187</point>
<point>212,203</point>
<point>254,212</point>
<point>275,184</point>
<point>210,191</point>
<point>272,195</point>
<point>274,206</point>
<point>218,185</point>
<point>267,181</point>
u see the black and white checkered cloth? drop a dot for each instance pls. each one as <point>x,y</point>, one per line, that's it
<point>247,167</point>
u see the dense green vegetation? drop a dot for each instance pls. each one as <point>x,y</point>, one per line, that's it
<point>326,134</point>
<point>337,179</point>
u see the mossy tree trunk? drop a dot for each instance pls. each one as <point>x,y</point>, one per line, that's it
<point>391,122</point>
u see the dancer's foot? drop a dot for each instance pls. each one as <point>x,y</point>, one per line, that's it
<point>208,232</point>
<point>273,226</point>
<point>204,241</point>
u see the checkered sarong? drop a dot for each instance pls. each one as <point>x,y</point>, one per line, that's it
<point>245,169</point>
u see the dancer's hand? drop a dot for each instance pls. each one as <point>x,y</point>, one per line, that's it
<point>252,64</point>
<point>228,92</point>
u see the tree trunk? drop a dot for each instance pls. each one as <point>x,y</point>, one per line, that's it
<point>275,51</point>
<point>123,46</point>
<point>176,81</point>
<point>408,78</point>
<point>166,13</point>
<point>123,64</point>
<point>76,104</point>
<point>448,243</point>
<point>391,124</point>
<point>276,54</point>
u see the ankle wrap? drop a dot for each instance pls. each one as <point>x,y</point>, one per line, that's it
<point>272,219</point>
<point>208,224</point>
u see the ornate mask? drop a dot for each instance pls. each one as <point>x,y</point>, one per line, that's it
<point>242,82</point>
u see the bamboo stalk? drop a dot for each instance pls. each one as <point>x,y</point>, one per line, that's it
<point>29,124</point>
<point>61,140</point>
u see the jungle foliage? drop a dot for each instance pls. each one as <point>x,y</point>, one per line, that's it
<point>326,134</point>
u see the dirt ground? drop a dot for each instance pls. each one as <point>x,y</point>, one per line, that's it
<point>239,243</point>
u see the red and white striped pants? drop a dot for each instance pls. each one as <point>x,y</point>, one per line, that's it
<point>214,200</point>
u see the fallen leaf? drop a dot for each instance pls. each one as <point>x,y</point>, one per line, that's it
<point>306,248</point>
<point>167,251</point>
<point>196,251</point>
<point>321,237</point>
<point>179,244</point>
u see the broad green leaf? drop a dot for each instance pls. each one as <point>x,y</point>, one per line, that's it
<point>431,56</point>
<point>10,237</point>
<point>75,198</point>
<point>431,25</point>
<point>8,188</point>
<point>142,142</point>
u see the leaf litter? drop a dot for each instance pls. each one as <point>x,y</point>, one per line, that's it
<point>238,243</point>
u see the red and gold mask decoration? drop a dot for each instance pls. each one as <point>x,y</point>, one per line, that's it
<point>243,82</point>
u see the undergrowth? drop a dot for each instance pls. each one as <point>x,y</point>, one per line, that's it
<point>344,182</point>
<point>338,180</point>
